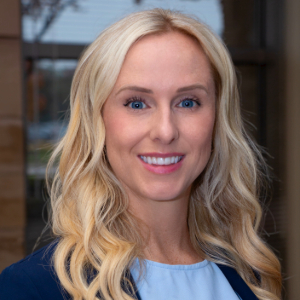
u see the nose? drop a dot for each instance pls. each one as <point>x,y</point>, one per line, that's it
<point>164,126</point>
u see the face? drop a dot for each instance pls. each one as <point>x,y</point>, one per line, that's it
<point>159,118</point>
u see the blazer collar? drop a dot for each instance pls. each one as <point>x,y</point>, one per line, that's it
<point>237,283</point>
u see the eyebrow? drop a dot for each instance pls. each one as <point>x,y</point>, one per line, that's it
<point>192,87</point>
<point>148,91</point>
<point>135,88</point>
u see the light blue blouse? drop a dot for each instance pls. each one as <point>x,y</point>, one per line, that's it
<point>200,281</point>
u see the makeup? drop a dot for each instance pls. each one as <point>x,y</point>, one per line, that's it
<point>162,163</point>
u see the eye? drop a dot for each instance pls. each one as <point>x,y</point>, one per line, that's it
<point>188,103</point>
<point>135,103</point>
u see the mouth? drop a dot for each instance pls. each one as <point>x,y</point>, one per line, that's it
<point>161,161</point>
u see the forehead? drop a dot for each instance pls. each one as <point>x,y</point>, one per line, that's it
<point>169,56</point>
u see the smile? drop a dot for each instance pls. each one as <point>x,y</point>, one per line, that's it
<point>160,161</point>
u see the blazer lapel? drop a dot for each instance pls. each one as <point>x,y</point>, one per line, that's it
<point>237,283</point>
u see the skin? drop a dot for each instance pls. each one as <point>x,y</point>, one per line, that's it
<point>157,66</point>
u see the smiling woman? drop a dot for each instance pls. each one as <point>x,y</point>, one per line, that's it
<point>156,195</point>
<point>162,107</point>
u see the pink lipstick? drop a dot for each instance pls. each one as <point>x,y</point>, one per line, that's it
<point>161,163</point>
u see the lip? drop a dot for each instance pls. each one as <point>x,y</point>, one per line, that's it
<point>162,169</point>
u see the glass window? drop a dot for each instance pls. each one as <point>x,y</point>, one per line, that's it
<point>82,21</point>
<point>47,95</point>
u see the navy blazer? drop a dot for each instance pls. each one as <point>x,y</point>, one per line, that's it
<point>34,278</point>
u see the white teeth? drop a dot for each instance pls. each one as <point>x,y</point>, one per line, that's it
<point>160,160</point>
<point>167,160</point>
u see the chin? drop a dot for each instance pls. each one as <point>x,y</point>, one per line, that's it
<point>164,194</point>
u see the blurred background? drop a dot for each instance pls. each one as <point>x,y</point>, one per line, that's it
<point>40,43</point>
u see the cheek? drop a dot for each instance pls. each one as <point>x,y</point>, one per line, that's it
<point>122,134</point>
<point>200,133</point>
<point>201,140</point>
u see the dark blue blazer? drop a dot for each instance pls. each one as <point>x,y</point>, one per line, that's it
<point>34,278</point>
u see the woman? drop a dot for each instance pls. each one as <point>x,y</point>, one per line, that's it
<point>156,195</point>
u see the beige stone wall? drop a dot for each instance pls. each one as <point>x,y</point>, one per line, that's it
<point>12,179</point>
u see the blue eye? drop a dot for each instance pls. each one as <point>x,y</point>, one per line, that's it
<point>187,103</point>
<point>137,105</point>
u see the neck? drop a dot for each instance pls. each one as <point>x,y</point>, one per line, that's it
<point>165,230</point>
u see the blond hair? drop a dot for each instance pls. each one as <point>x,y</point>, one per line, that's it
<point>89,207</point>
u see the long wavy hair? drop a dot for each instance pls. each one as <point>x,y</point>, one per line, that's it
<point>98,237</point>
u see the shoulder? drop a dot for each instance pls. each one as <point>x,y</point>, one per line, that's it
<point>31,278</point>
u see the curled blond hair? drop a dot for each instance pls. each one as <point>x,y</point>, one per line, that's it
<point>96,232</point>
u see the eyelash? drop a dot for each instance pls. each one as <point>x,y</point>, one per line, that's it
<point>191,98</point>
<point>139,99</point>
<point>134,99</point>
